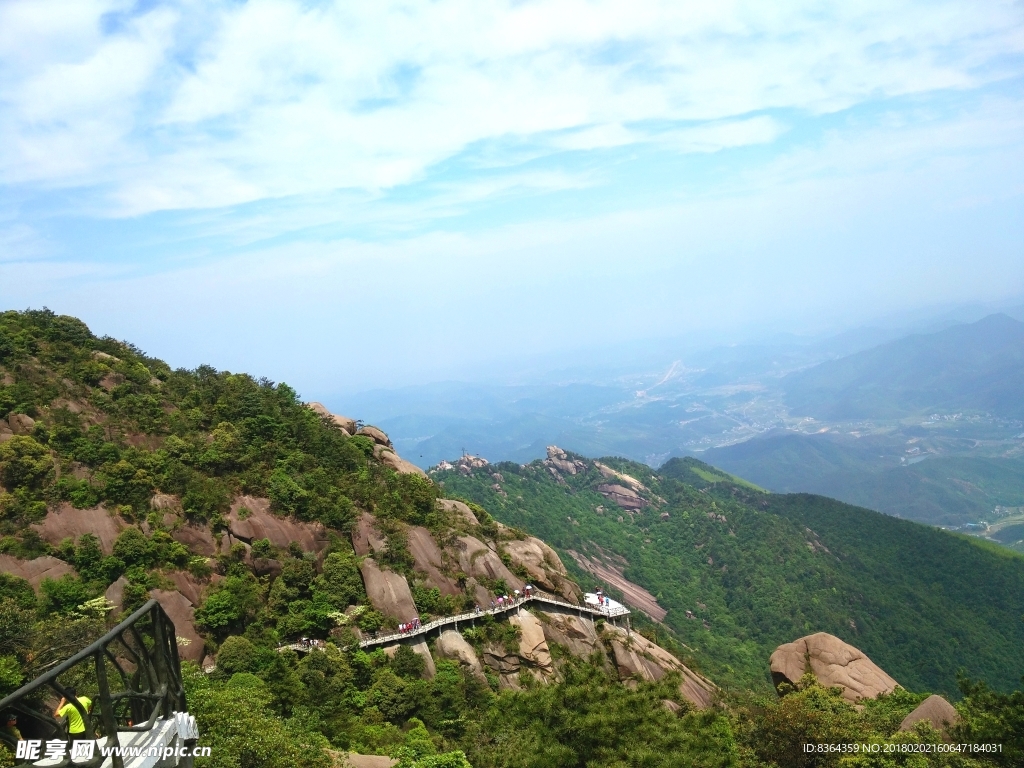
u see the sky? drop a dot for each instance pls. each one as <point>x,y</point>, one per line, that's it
<point>354,195</point>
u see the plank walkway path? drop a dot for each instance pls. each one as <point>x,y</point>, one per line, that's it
<point>597,611</point>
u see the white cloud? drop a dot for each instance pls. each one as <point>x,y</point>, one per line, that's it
<point>193,105</point>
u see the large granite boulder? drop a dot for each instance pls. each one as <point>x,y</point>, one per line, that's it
<point>356,760</point>
<point>533,645</point>
<point>66,522</point>
<point>366,539</point>
<point>578,636</point>
<point>477,560</point>
<point>452,645</point>
<point>427,559</point>
<point>197,537</point>
<point>833,663</point>
<point>376,435</point>
<point>182,613</point>
<point>388,591</point>
<point>115,592</point>
<point>261,523</point>
<point>625,497</point>
<point>35,571</point>
<point>389,458</point>
<point>346,424</point>
<point>637,657</point>
<point>544,566</point>
<point>459,509</point>
<point>936,710</point>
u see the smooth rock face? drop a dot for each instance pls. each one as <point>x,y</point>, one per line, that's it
<point>347,424</point>
<point>625,497</point>
<point>834,663</point>
<point>376,435</point>
<point>573,633</point>
<point>261,523</point>
<point>20,423</point>
<point>459,508</point>
<point>115,592</point>
<point>182,613</point>
<point>936,710</point>
<point>366,539</point>
<point>636,656</point>
<point>189,585</point>
<point>35,571</point>
<point>198,538</point>
<point>388,591</point>
<point>544,566</point>
<point>477,560</point>
<point>67,522</point>
<point>427,560</point>
<point>451,645</point>
<point>389,458</point>
<point>533,646</point>
<point>356,760</point>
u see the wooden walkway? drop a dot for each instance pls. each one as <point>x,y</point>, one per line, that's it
<point>438,625</point>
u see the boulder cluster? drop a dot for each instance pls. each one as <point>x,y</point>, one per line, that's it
<point>834,663</point>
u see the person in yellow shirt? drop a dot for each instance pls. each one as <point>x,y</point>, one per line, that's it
<point>76,726</point>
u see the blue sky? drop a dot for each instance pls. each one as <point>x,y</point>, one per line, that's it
<point>350,195</point>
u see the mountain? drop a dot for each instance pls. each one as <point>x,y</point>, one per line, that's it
<point>975,367</point>
<point>941,490</point>
<point>734,571</point>
<point>259,521</point>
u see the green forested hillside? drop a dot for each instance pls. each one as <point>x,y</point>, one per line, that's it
<point>763,569</point>
<point>96,429</point>
<point>941,490</point>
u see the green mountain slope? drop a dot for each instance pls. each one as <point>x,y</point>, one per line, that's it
<point>762,569</point>
<point>976,367</point>
<point>944,490</point>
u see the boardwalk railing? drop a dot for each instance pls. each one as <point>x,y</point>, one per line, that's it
<point>597,611</point>
<point>146,693</point>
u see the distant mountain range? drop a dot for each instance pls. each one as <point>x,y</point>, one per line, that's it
<point>975,367</point>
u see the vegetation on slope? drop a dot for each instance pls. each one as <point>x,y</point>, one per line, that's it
<point>764,569</point>
<point>114,426</point>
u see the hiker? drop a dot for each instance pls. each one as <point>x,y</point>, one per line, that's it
<point>12,727</point>
<point>76,726</point>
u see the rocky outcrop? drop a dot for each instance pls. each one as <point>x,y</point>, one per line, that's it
<point>366,539</point>
<point>261,523</point>
<point>935,710</point>
<point>576,635</point>
<point>35,571</point>
<point>356,760</point>
<point>198,538</point>
<point>376,435</point>
<point>637,657</point>
<point>193,589</point>
<point>833,663</point>
<point>625,497</point>
<point>451,645</point>
<point>627,480</point>
<point>559,461</point>
<point>420,649</point>
<point>544,566</point>
<point>477,560</point>
<point>533,645</point>
<point>20,423</point>
<point>389,458</point>
<point>182,613</point>
<point>388,591</point>
<point>65,522</point>
<point>346,424</point>
<point>428,561</point>
<point>115,592</point>
<point>460,509</point>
